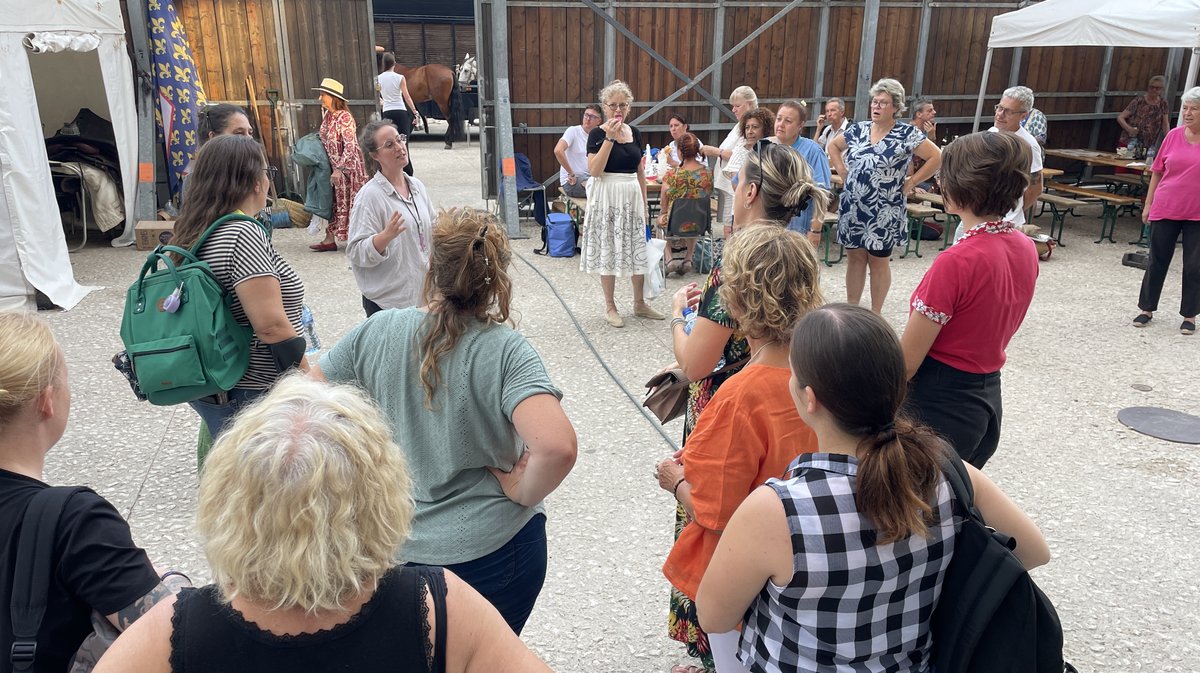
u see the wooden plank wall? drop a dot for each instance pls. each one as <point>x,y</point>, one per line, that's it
<point>233,39</point>
<point>417,43</point>
<point>556,57</point>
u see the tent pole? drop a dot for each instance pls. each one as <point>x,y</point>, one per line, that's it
<point>145,203</point>
<point>1193,70</point>
<point>987,67</point>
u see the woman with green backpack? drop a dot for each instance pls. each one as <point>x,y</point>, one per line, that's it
<point>229,176</point>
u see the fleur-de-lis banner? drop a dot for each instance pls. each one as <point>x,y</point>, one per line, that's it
<point>180,94</point>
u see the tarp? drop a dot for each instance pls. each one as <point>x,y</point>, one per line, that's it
<point>33,251</point>
<point>1101,23</point>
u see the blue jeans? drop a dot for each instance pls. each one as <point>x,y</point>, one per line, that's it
<point>510,577</point>
<point>215,416</point>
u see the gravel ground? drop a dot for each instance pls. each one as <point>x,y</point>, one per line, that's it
<point>1126,590</point>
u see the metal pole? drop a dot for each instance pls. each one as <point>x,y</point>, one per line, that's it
<point>866,58</point>
<point>918,85</point>
<point>822,48</point>
<point>718,44</point>
<point>1193,70</point>
<point>145,204</point>
<point>1101,96</point>
<point>484,46</point>
<point>987,67</point>
<point>1014,71</point>
<point>504,139</point>
<point>610,44</point>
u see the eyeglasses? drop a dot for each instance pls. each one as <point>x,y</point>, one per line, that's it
<point>594,117</point>
<point>881,103</point>
<point>1000,109</point>
<point>271,172</point>
<point>395,141</point>
<point>617,106</point>
<point>758,151</point>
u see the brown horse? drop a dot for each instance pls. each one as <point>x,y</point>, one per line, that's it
<point>436,83</point>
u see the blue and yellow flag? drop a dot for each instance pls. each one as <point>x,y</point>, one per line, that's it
<point>180,94</point>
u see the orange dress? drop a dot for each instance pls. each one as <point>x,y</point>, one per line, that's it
<point>749,432</point>
<point>339,136</point>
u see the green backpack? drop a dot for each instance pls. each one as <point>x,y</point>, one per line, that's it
<point>178,329</point>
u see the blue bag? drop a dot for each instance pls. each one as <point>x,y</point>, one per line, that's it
<point>560,235</point>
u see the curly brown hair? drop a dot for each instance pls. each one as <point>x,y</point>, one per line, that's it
<point>764,117</point>
<point>770,279</point>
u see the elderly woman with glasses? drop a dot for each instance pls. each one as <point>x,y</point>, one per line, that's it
<point>390,224</point>
<point>614,228</point>
<point>1147,117</point>
<point>872,157</point>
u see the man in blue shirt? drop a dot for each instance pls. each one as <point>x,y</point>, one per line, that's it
<point>789,122</point>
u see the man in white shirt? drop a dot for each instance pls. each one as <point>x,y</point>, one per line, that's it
<point>833,122</point>
<point>1016,102</point>
<point>1014,105</point>
<point>571,152</point>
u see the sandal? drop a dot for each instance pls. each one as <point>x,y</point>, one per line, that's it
<point>1141,320</point>
<point>1188,327</point>
<point>683,668</point>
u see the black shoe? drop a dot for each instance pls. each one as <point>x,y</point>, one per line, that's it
<point>1188,327</point>
<point>1141,320</point>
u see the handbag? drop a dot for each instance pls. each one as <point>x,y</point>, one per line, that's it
<point>668,391</point>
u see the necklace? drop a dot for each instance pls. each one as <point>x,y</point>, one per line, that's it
<point>754,353</point>
<point>410,205</point>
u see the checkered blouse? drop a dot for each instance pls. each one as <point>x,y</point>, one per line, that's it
<point>852,605</point>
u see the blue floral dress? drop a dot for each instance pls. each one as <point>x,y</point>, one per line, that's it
<point>871,214</point>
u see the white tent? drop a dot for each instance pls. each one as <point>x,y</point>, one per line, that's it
<point>1101,23</point>
<point>87,67</point>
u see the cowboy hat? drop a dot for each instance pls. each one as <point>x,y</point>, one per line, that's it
<point>332,87</point>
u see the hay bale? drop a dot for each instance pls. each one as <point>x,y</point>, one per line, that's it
<point>300,217</point>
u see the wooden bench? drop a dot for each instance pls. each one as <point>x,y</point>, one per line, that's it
<point>1060,207</point>
<point>1112,203</point>
<point>1133,184</point>
<point>917,213</point>
<point>952,221</point>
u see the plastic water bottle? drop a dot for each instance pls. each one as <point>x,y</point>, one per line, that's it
<point>690,316</point>
<point>309,324</point>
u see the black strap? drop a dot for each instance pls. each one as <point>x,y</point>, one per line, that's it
<point>31,578</point>
<point>964,497</point>
<point>437,589</point>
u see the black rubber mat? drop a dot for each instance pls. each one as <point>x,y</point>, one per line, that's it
<point>1173,426</point>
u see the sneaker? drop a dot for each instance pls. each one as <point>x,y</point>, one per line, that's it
<point>1141,320</point>
<point>1188,327</point>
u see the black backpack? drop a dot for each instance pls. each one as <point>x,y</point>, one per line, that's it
<point>991,617</point>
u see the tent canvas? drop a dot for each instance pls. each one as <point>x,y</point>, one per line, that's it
<point>1102,23</point>
<point>33,250</point>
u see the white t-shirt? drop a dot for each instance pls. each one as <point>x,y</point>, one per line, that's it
<point>829,131</point>
<point>576,141</point>
<point>390,92</point>
<point>1017,216</point>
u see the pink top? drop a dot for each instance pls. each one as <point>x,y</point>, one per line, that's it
<point>978,290</point>
<point>1177,196</point>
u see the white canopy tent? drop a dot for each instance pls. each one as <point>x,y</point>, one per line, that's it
<point>39,90</point>
<point>1101,23</point>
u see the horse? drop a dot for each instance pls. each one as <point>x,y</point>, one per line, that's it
<point>434,83</point>
<point>468,72</point>
<point>468,76</point>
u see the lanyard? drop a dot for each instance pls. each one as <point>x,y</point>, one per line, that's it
<point>415,212</point>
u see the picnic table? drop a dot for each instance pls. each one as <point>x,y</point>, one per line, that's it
<point>1098,158</point>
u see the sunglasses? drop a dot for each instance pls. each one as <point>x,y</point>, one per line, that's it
<point>272,173</point>
<point>759,146</point>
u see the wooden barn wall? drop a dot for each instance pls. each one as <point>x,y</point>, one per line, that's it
<point>556,59</point>
<point>234,39</point>
<point>418,43</point>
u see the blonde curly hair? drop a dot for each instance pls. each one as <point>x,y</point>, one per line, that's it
<point>305,499</point>
<point>770,278</point>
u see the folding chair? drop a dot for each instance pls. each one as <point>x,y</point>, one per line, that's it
<point>688,218</point>
<point>531,194</point>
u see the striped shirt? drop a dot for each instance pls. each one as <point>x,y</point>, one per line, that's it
<point>238,251</point>
<point>852,605</point>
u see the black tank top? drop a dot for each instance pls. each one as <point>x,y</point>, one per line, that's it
<point>390,633</point>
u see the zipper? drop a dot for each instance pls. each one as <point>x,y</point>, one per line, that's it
<point>160,351</point>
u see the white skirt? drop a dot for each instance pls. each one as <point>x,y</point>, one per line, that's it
<point>614,226</point>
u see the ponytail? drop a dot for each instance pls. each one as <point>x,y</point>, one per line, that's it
<point>898,468</point>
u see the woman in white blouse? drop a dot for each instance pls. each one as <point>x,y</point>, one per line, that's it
<point>390,224</point>
<point>741,100</point>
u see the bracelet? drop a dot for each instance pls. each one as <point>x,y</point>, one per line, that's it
<point>171,573</point>
<point>675,491</point>
<point>609,139</point>
<point>678,321</point>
